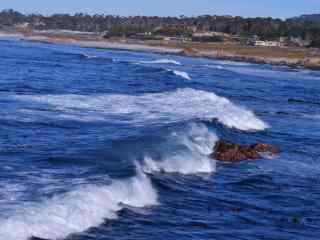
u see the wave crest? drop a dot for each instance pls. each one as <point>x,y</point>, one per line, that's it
<point>92,56</point>
<point>166,107</point>
<point>185,152</point>
<point>79,209</point>
<point>163,61</point>
<point>182,74</point>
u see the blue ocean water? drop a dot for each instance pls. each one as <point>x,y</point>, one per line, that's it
<point>103,144</point>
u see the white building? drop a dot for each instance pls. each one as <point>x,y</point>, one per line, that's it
<point>267,43</point>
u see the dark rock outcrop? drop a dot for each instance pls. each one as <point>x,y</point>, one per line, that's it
<point>231,152</point>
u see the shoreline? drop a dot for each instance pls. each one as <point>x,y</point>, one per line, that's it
<point>279,56</point>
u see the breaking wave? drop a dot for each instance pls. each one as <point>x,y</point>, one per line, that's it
<point>152,108</point>
<point>91,56</point>
<point>79,209</point>
<point>88,56</point>
<point>163,61</point>
<point>182,74</point>
<point>215,66</point>
<point>184,152</point>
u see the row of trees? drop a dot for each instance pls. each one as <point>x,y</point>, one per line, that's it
<point>265,28</point>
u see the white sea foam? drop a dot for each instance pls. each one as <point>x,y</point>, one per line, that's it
<point>215,66</point>
<point>182,74</point>
<point>89,56</point>
<point>162,61</point>
<point>180,105</point>
<point>78,210</point>
<point>89,205</point>
<point>92,56</point>
<point>10,192</point>
<point>193,145</point>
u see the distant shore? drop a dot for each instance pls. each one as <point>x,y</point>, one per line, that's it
<point>285,56</point>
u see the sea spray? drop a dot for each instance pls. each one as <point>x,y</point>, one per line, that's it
<point>185,152</point>
<point>79,209</point>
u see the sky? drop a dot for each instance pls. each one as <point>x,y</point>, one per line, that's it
<point>245,8</point>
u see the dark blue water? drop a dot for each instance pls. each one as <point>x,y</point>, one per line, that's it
<point>102,144</point>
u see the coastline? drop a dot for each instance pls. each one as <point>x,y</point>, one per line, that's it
<point>282,56</point>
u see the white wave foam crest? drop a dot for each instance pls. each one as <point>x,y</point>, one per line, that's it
<point>88,56</point>
<point>91,56</point>
<point>78,210</point>
<point>166,107</point>
<point>190,155</point>
<point>215,66</point>
<point>182,74</point>
<point>163,61</point>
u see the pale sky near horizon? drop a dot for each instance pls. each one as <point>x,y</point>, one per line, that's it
<point>246,8</point>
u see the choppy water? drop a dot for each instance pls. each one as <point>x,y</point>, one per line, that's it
<point>102,144</point>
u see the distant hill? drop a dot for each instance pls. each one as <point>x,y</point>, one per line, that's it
<point>309,17</point>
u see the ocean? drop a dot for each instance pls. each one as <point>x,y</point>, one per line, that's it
<point>100,144</point>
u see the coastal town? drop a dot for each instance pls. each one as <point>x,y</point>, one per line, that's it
<point>161,34</point>
<point>292,42</point>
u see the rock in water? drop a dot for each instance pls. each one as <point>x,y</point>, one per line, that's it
<point>263,148</point>
<point>232,152</point>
